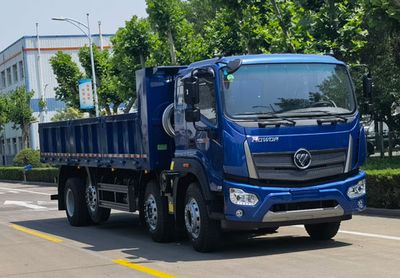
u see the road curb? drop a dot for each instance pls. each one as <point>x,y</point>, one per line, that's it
<point>30,182</point>
<point>381,212</point>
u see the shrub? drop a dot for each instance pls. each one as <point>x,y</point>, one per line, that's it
<point>383,188</point>
<point>11,173</point>
<point>377,163</point>
<point>36,174</point>
<point>28,156</point>
<point>42,175</point>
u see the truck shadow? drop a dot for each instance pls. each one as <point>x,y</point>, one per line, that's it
<point>124,232</point>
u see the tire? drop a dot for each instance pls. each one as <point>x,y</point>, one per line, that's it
<point>97,214</point>
<point>75,203</point>
<point>323,231</point>
<point>159,223</point>
<point>203,232</point>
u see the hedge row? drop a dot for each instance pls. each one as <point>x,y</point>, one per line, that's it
<point>36,174</point>
<point>383,188</point>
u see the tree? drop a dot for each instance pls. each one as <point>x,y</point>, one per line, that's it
<point>20,112</point>
<point>67,75</point>
<point>166,16</point>
<point>132,45</point>
<point>108,95</point>
<point>4,111</point>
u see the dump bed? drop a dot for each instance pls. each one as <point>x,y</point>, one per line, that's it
<point>132,141</point>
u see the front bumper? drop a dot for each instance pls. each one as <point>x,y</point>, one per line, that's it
<point>262,212</point>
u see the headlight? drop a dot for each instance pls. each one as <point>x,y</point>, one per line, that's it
<point>239,197</point>
<point>357,190</point>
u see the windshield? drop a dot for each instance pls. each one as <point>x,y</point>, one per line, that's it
<point>287,89</point>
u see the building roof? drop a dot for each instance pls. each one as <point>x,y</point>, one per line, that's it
<point>52,37</point>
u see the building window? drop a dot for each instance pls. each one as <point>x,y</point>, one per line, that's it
<point>15,148</point>
<point>21,71</point>
<point>8,77</point>
<point>15,73</point>
<point>8,151</point>
<point>3,79</point>
<point>20,143</point>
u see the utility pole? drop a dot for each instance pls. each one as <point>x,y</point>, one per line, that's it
<point>40,75</point>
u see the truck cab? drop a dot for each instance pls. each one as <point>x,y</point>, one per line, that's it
<point>276,140</point>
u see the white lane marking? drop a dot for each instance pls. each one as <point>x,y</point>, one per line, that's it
<point>370,235</point>
<point>47,203</point>
<point>23,204</point>
<point>23,190</point>
<point>361,234</point>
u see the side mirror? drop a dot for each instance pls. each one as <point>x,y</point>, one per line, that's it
<point>191,89</point>
<point>192,115</point>
<point>367,85</point>
<point>234,65</point>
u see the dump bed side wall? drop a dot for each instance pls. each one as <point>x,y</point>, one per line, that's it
<point>131,141</point>
<point>107,141</point>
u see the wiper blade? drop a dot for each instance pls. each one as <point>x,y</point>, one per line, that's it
<point>336,118</point>
<point>277,123</point>
<point>270,119</point>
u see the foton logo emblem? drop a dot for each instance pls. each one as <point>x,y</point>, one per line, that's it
<point>302,159</point>
<point>268,139</point>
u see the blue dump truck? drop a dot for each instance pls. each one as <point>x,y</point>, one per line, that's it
<point>249,143</point>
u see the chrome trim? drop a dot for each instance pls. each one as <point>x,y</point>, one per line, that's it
<point>349,156</point>
<point>304,214</point>
<point>249,160</point>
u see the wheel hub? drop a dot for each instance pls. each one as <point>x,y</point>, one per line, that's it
<point>192,218</point>
<point>150,212</point>
<point>91,197</point>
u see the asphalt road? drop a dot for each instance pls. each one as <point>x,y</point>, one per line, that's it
<point>36,241</point>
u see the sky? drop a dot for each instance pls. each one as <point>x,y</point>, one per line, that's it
<point>18,17</point>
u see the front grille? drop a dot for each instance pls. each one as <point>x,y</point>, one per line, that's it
<point>279,166</point>
<point>304,205</point>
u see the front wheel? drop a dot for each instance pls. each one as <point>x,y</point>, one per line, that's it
<point>322,231</point>
<point>203,231</point>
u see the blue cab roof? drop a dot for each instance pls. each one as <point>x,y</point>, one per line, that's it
<point>272,58</point>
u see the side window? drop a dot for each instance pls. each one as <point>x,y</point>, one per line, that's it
<point>207,104</point>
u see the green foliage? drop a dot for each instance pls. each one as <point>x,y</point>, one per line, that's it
<point>383,188</point>
<point>28,156</point>
<point>20,112</point>
<point>66,114</point>
<point>377,163</point>
<point>12,173</point>
<point>4,111</point>
<point>48,175</point>
<point>132,47</point>
<point>383,182</point>
<point>109,97</point>
<point>67,75</point>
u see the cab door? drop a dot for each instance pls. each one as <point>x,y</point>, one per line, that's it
<point>202,140</point>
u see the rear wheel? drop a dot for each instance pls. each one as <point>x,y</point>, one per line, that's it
<point>323,231</point>
<point>75,204</point>
<point>159,223</point>
<point>203,231</point>
<point>97,214</point>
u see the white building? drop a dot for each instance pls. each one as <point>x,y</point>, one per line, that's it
<point>19,67</point>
